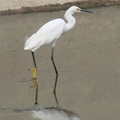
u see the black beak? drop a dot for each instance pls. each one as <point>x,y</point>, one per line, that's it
<point>82,10</point>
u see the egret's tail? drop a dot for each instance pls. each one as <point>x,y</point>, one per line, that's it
<point>26,38</point>
<point>29,42</point>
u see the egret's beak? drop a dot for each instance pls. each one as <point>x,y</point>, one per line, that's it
<point>82,10</point>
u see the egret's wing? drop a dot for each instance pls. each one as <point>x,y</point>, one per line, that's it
<point>52,30</point>
<point>46,34</point>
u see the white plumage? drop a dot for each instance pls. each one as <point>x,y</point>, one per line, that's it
<point>48,33</point>
<point>52,30</point>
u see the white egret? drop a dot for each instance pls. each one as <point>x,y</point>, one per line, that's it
<point>49,33</point>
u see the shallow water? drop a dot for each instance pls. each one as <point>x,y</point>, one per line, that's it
<point>87,58</point>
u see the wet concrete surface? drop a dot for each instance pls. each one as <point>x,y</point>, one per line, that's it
<point>87,58</point>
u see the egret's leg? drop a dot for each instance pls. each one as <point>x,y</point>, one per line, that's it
<point>34,78</point>
<point>55,85</point>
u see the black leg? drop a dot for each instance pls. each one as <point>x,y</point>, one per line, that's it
<point>56,79</point>
<point>33,56</point>
<point>36,96</point>
<point>34,78</point>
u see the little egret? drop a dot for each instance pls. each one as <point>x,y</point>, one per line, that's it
<point>49,33</point>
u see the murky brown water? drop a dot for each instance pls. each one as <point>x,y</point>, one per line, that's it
<point>87,58</point>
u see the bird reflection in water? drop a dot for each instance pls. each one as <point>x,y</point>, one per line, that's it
<point>54,114</point>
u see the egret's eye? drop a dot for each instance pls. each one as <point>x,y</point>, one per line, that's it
<point>78,9</point>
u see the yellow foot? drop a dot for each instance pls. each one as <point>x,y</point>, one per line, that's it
<point>34,72</point>
<point>33,77</point>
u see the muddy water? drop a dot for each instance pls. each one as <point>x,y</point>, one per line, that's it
<point>87,58</point>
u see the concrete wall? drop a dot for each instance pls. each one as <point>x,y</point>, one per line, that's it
<point>27,6</point>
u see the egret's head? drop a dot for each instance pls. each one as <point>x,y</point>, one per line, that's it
<point>74,9</point>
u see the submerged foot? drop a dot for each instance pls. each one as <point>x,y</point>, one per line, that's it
<point>33,77</point>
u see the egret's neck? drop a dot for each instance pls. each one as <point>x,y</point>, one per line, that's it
<point>70,21</point>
